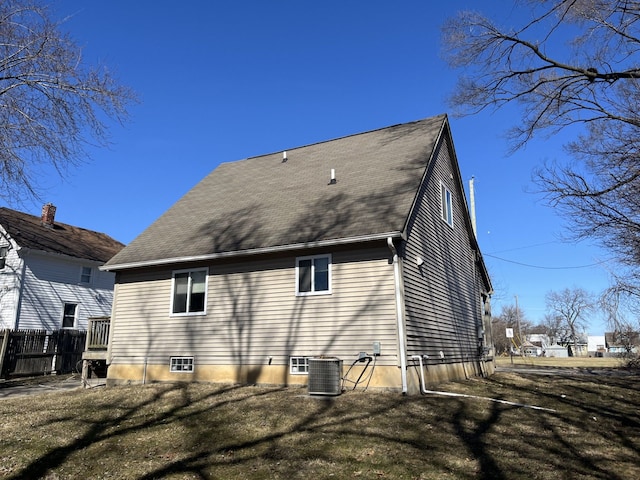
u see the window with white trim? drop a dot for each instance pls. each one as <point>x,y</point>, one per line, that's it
<point>181,364</point>
<point>85,275</point>
<point>69,315</point>
<point>299,365</point>
<point>313,275</point>
<point>447,206</point>
<point>189,292</point>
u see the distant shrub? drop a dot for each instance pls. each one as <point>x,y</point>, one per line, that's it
<point>633,363</point>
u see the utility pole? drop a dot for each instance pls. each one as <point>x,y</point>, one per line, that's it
<point>472,196</point>
<point>518,324</point>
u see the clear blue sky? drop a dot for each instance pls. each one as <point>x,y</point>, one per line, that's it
<point>221,81</point>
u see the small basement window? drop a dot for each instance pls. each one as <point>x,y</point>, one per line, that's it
<point>299,365</point>
<point>181,364</point>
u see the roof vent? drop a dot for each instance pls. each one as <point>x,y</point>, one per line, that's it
<point>48,215</point>
<point>333,180</point>
<point>284,157</point>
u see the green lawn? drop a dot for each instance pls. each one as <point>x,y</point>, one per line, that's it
<point>587,426</point>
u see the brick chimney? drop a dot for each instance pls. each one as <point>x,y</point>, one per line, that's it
<point>48,215</point>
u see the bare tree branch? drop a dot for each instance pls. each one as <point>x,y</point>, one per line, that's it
<point>52,106</point>
<point>584,72</point>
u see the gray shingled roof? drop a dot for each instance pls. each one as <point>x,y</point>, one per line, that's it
<point>263,202</point>
<point>62,239</point>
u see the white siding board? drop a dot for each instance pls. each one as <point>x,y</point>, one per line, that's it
<point>49,282</point>
<point>10,281</point>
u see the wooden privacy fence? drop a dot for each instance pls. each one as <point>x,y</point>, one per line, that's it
<point>37,352</point>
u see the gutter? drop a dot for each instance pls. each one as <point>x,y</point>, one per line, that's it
<point>399,315</point>
<point>251,251</point>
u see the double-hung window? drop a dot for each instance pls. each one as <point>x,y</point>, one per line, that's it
<point>3,256</point>
<point>69,315</point>
<point>313,275</point>
<point>189,292</point>
<point>85,275</point>
<point>447,206</point>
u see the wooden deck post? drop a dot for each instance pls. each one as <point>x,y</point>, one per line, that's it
<point>85,372</point>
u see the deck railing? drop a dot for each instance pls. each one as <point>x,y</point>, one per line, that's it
<point>98,333</point>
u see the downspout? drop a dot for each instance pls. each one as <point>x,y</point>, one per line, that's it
<point>399,315</point>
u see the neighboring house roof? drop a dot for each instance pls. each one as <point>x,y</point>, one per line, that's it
<point>287,200</point>
<point>29,232</point>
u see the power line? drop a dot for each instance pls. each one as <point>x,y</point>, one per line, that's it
<point>545,267</point>
<point>527,246</point>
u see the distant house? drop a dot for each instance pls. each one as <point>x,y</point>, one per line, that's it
<point>528,349</point>
<point>596,345</point>
<point>49,272</point>
<point>622,342</point>
<point>541,341</point>
<point>357,250</point>
<point>556,351</point>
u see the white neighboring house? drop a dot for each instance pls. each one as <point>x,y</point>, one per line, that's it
<point>541,342</point>
<point>49,276</point>
<point>596,345</point>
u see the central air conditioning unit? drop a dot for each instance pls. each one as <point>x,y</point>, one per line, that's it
<point>325,375</point>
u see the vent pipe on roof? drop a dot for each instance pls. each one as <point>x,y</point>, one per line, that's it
<point>333,177</point>
<point>48,215</point>
<point>284,156</point>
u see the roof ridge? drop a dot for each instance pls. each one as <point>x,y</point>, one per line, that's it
<point>343,137</point>
<point>37,218</point>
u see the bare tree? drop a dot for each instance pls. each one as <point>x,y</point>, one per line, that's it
<point>509,317</point>
<point>555,328</point>
<point>575,63</point>
<point>571,306</point>
<point>52,106</point>
<point>625,330</point>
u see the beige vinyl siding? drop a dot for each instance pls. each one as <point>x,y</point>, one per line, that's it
<point>253,313</point>
<point>443,296</point>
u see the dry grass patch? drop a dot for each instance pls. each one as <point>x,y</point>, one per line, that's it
<point>184,431</point>
<point>559,362</point>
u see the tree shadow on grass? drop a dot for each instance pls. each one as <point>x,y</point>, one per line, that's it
<point>109,428</point>
<point>190,430</point>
